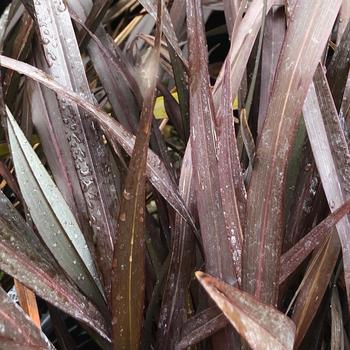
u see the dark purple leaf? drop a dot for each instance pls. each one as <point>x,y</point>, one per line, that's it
<point>156,171</point>
<point>17,331</point>
<point>292,259</point>
<point>262,326</point>
<point>174,309</point>
<point>128,269</point>
<point>305,39</point>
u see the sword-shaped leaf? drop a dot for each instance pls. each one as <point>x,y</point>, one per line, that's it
<point>305,40</point>
<point>17,331</point>
<point>173,310</point>
<point>156,170</point>
<point>262,326</point>
<point>332,158</point>
<point>52,216</point>
<point>292,259</point>
<point>216,248</point>
<point>128,269</point>
<point>76,130</point>
<point>23,256</point>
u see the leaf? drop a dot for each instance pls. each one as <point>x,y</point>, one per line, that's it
<point>150,7</point>
<point>332,156</point>
<point>292,259</point>
<point>51,215</point>
<point>17,331</point>
<point>173,309</point>
<point>156,170</point>
<point>44,111</point>
<point>233,192</point>
<point>18,50</point>
<point>242,43</point>
<point>96,14</point>
<point>338,69</point>
<point>262,326</point>
<point>218,258</point>
<point>88,153</point>
<point>306,37</point>
<point>331,153</point>
<point>116,75</point>
<point>202,325</point>
<point>25,258</point>
<point>314,284</point>
<point>344,17</point>
<point>128,275</point>
<point>272,45</point>
<point>337,335</point>
<point>231,11</point>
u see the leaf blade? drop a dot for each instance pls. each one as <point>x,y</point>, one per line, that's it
<point>263,326</point>
<point>264,229</point>
<point>52,216</point>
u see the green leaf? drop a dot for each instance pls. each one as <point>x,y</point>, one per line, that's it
<point>23,256</point>
<point>52,216</point>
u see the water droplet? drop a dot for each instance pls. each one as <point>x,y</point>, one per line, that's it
<point>127,195</point>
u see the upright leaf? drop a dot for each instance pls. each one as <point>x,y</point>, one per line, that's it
<point>241,47</point>
<point>128,275</point>
<point>232,187</point>
<point>88,153</point>
<point>337,340</point>
<point>116,76</point>
<point>305,39</point>
<point>314,284</point>
<point>174,309</point>
<point>218,258</point>
<point>51,215</point>
<point>331,154</point>
<point>272,46</point>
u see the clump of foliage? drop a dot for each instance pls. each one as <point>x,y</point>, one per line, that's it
<point>175,175</point>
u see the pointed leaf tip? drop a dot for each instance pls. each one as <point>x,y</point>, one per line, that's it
<point>261,325</point>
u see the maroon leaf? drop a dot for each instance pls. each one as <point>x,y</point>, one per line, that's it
<point>272,46</point>
<point>292,259</point>
<point>232,187</point>
<point>314,284</point>
<point>88,153</point>
<point>305,39</point>
<point>202,325</point>
<point>156,171</point>
<point>241,46</point>
<point>17,331</point>
<point>262,326</point>
<point>173,312</point>
<point>219,261</point>
<point>128,275</point>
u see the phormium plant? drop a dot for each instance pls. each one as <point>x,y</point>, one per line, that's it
<point>175,175</point>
